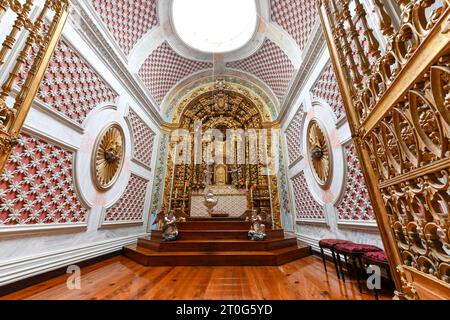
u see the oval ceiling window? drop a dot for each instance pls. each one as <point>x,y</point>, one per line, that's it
<point>215,25</point>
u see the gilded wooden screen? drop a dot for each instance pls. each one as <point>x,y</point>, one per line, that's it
<point>397,103</point>
<point>29,44</point>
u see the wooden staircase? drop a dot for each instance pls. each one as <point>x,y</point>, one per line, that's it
<point>218,241</point>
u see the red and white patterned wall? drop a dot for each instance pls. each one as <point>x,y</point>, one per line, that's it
<point>164,68</point>
<point>127,21</point>
<point>327,88</point>
<point>271,65</point>
<point>37,188</point>
<point>143,139</point>
<point>296,17</point>
<point>294,136</point>
<point>70,86</point>
<point>355,205</point>
<point>306,208</point>
<point>130,206</point>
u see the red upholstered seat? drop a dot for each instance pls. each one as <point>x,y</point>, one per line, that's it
<point>354,248</point>
<point>376,256</point>
<point>330,243</point>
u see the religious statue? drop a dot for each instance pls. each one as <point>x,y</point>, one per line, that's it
<point>257,228</point>
<point>169,225</point>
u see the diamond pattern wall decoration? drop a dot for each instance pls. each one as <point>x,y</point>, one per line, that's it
<point>293,135</point>
<point>70,86</point>
<point>355,205</point>
<point>127,20</point>
<point>130,206</point>
<point>37,188</point>
<point>143,138</point>
<point>296,17</point>
<point>327,88</point>
<point>271,65</point>
<point>164,68</point>
<point>306,207</point>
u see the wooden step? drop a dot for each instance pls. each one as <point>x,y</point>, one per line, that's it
<point>224,234</point>
<point>276,257</point>
<point>214,219</point>
<point>220,215</point>
<point>214,225</point>
<point>216,245</point>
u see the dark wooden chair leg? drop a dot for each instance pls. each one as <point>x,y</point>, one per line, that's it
<point>347,265</point>
<point>357,275</point>
<point>340,266</point>
<point>323,259</point>
<point>335,263</point>
<point>375,293</point>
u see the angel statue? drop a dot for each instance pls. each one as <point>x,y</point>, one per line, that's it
<point>169,225</point>
<point>257,228</point>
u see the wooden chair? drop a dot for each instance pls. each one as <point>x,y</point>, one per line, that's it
<point>329,244</point>
<point>377,258</point>
<point>354,252</point>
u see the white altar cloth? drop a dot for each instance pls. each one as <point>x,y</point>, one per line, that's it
<point>231,200</point>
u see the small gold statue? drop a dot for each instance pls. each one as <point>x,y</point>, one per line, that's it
<point>257,228</point>
<point>169,225</point>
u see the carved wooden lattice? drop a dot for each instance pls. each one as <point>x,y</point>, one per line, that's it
<point>397,103</point>
<point>41,39</point>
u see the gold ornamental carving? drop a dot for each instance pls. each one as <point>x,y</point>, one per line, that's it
<point>319,153</point>
<point>397,103</point>
<point>108,156</point>
<point>35,39</point>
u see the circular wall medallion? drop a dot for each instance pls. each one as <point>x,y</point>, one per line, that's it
<point>319,153</point>
<point>108,156</point>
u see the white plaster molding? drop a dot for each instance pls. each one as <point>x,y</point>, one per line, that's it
<point>322,111</point>
<point>181,86</point>
<point>361,225</point>
<point>144,47</point>
<point>27,128</point>
<point>312,55</point>
<point>312,241</point>
<point>96,40</point>
<point>41,228</point>
<point>18,269</point>
<point>98,119</point>
<point>312,221</point>
<point>102,28</point>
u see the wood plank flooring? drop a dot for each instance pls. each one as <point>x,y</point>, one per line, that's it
<point>121,278</point>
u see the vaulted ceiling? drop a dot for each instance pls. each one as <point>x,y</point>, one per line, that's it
<point>144,33</point>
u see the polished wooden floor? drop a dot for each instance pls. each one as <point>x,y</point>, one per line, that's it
<point>121,278</point>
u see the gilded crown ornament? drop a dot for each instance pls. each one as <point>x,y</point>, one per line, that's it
<point>108,156</point>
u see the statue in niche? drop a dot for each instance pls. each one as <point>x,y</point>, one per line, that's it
<point>220,174</point>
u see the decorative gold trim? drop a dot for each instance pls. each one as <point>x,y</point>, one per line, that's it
<point>44,37</point>
<point>108,156</point>
<point>320,154</point>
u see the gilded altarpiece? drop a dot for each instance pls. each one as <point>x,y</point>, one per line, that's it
<point>222,109</point>
<point>397,103</point>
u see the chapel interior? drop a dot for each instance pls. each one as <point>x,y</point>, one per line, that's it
<point>225,149</point>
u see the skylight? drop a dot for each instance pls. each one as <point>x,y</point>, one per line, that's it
<point>215,25</point>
